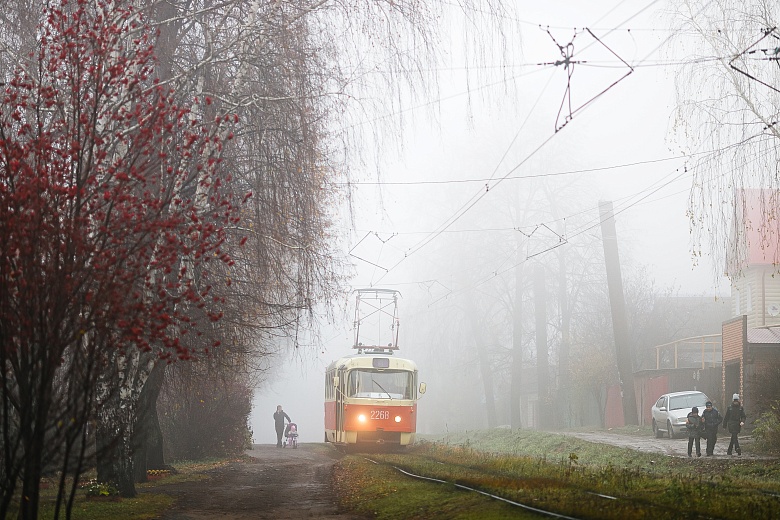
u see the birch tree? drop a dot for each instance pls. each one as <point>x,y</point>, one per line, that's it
<point>728,108</point>
<point>301,79</point>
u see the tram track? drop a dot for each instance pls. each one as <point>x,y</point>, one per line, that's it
<point>542,512</point>
<point>579,503</point>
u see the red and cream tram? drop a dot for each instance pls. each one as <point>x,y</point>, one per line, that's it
<point>371,398</point>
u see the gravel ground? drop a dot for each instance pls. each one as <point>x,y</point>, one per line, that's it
<point>671,447</point>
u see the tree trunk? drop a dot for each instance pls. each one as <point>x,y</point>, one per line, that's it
<point>28,508</point>
<point>485,368</point>
<point>542,362</point>
<point>516,388</point>
<point>147,437</point>
<point>122,385</point>
<point>115,453</point>
<point>487,381</point>
<point>563,400</point>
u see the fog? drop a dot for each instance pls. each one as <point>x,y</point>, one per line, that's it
<point>441,221</point>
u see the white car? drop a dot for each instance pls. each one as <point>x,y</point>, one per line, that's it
<point>671,410</point>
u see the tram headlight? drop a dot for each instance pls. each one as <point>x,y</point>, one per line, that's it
<point>397,418</point>
<point>362,418</point>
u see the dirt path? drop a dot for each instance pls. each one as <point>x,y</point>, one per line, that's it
<point>280,483</point>
<point>671,447</point>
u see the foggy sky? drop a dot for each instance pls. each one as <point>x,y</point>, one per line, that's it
<point>621,145</point>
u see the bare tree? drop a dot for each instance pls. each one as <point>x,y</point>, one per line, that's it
<point>728,108</point>
<point>311,82</point>
<point>290,84</point>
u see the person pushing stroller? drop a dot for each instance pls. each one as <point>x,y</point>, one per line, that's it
<point>279,417</point>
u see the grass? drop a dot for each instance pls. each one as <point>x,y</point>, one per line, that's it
<point>146,505</point>
<point>557,473</point>
<point>382,492</point>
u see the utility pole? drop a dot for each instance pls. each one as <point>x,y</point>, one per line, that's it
<point>618,306</point>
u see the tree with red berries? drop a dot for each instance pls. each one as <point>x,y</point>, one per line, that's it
<point>113,208</point>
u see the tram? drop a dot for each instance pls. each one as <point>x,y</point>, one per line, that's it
<point>371,396</point>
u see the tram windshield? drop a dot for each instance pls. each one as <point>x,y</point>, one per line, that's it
<point>388,384</point>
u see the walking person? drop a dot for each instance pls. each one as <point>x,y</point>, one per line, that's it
<point>279,417</point>
<point>712,419</point>
<point>694,424</point>
<point>734,421</point>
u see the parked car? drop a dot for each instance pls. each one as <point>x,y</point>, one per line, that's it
<point>671,410</point>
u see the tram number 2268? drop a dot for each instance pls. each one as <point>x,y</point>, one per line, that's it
<point>380,414</point>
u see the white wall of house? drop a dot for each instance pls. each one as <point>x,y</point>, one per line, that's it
<point>756,294</point>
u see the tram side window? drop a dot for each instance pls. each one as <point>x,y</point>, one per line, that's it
<point>329,390</point>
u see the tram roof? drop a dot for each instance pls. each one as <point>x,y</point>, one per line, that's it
<point>366,360</point>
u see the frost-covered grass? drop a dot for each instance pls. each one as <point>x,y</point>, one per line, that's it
<point>557,473</point>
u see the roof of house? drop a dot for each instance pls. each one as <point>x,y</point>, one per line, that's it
<point>764,335</point>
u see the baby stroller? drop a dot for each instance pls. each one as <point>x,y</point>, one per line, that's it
<point>291,435</point>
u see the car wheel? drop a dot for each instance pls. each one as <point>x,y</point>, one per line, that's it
<point>669,429</point>
<point>656,431</point>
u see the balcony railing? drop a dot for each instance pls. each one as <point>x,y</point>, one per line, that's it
<point>695,352</point>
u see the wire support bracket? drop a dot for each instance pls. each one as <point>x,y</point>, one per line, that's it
<point>568,62</point>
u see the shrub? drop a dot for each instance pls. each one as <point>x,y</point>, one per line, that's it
<point>766,430</point>
<point>204,413</point>
<point>93,488</point>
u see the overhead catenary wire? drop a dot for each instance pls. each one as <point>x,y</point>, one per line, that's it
<point>534,64</point>
<point>595,222</point>
<point>624,204</point>
<point>515,177</point>
<point>469,91</point>
<point>478,88</point>
<point>536,24</point>
<point>477,197</point>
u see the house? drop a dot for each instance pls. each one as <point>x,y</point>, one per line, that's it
<point>688,359</point>
<point>748,345</point>
<point>751,338</point>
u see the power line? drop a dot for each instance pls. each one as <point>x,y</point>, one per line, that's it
<point>513,177</point>
<point>595,222</point>
<point>588,226</point>
<point>588,63</point>
<point>441,99</point>
<point>536,24</point>
<point>479,195</point>
<point>473,201</point>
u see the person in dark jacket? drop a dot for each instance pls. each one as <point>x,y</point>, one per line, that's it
<point>279,417</point>
<point>734,421</point>
<point>712,419</point>
<point>695,426</point>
